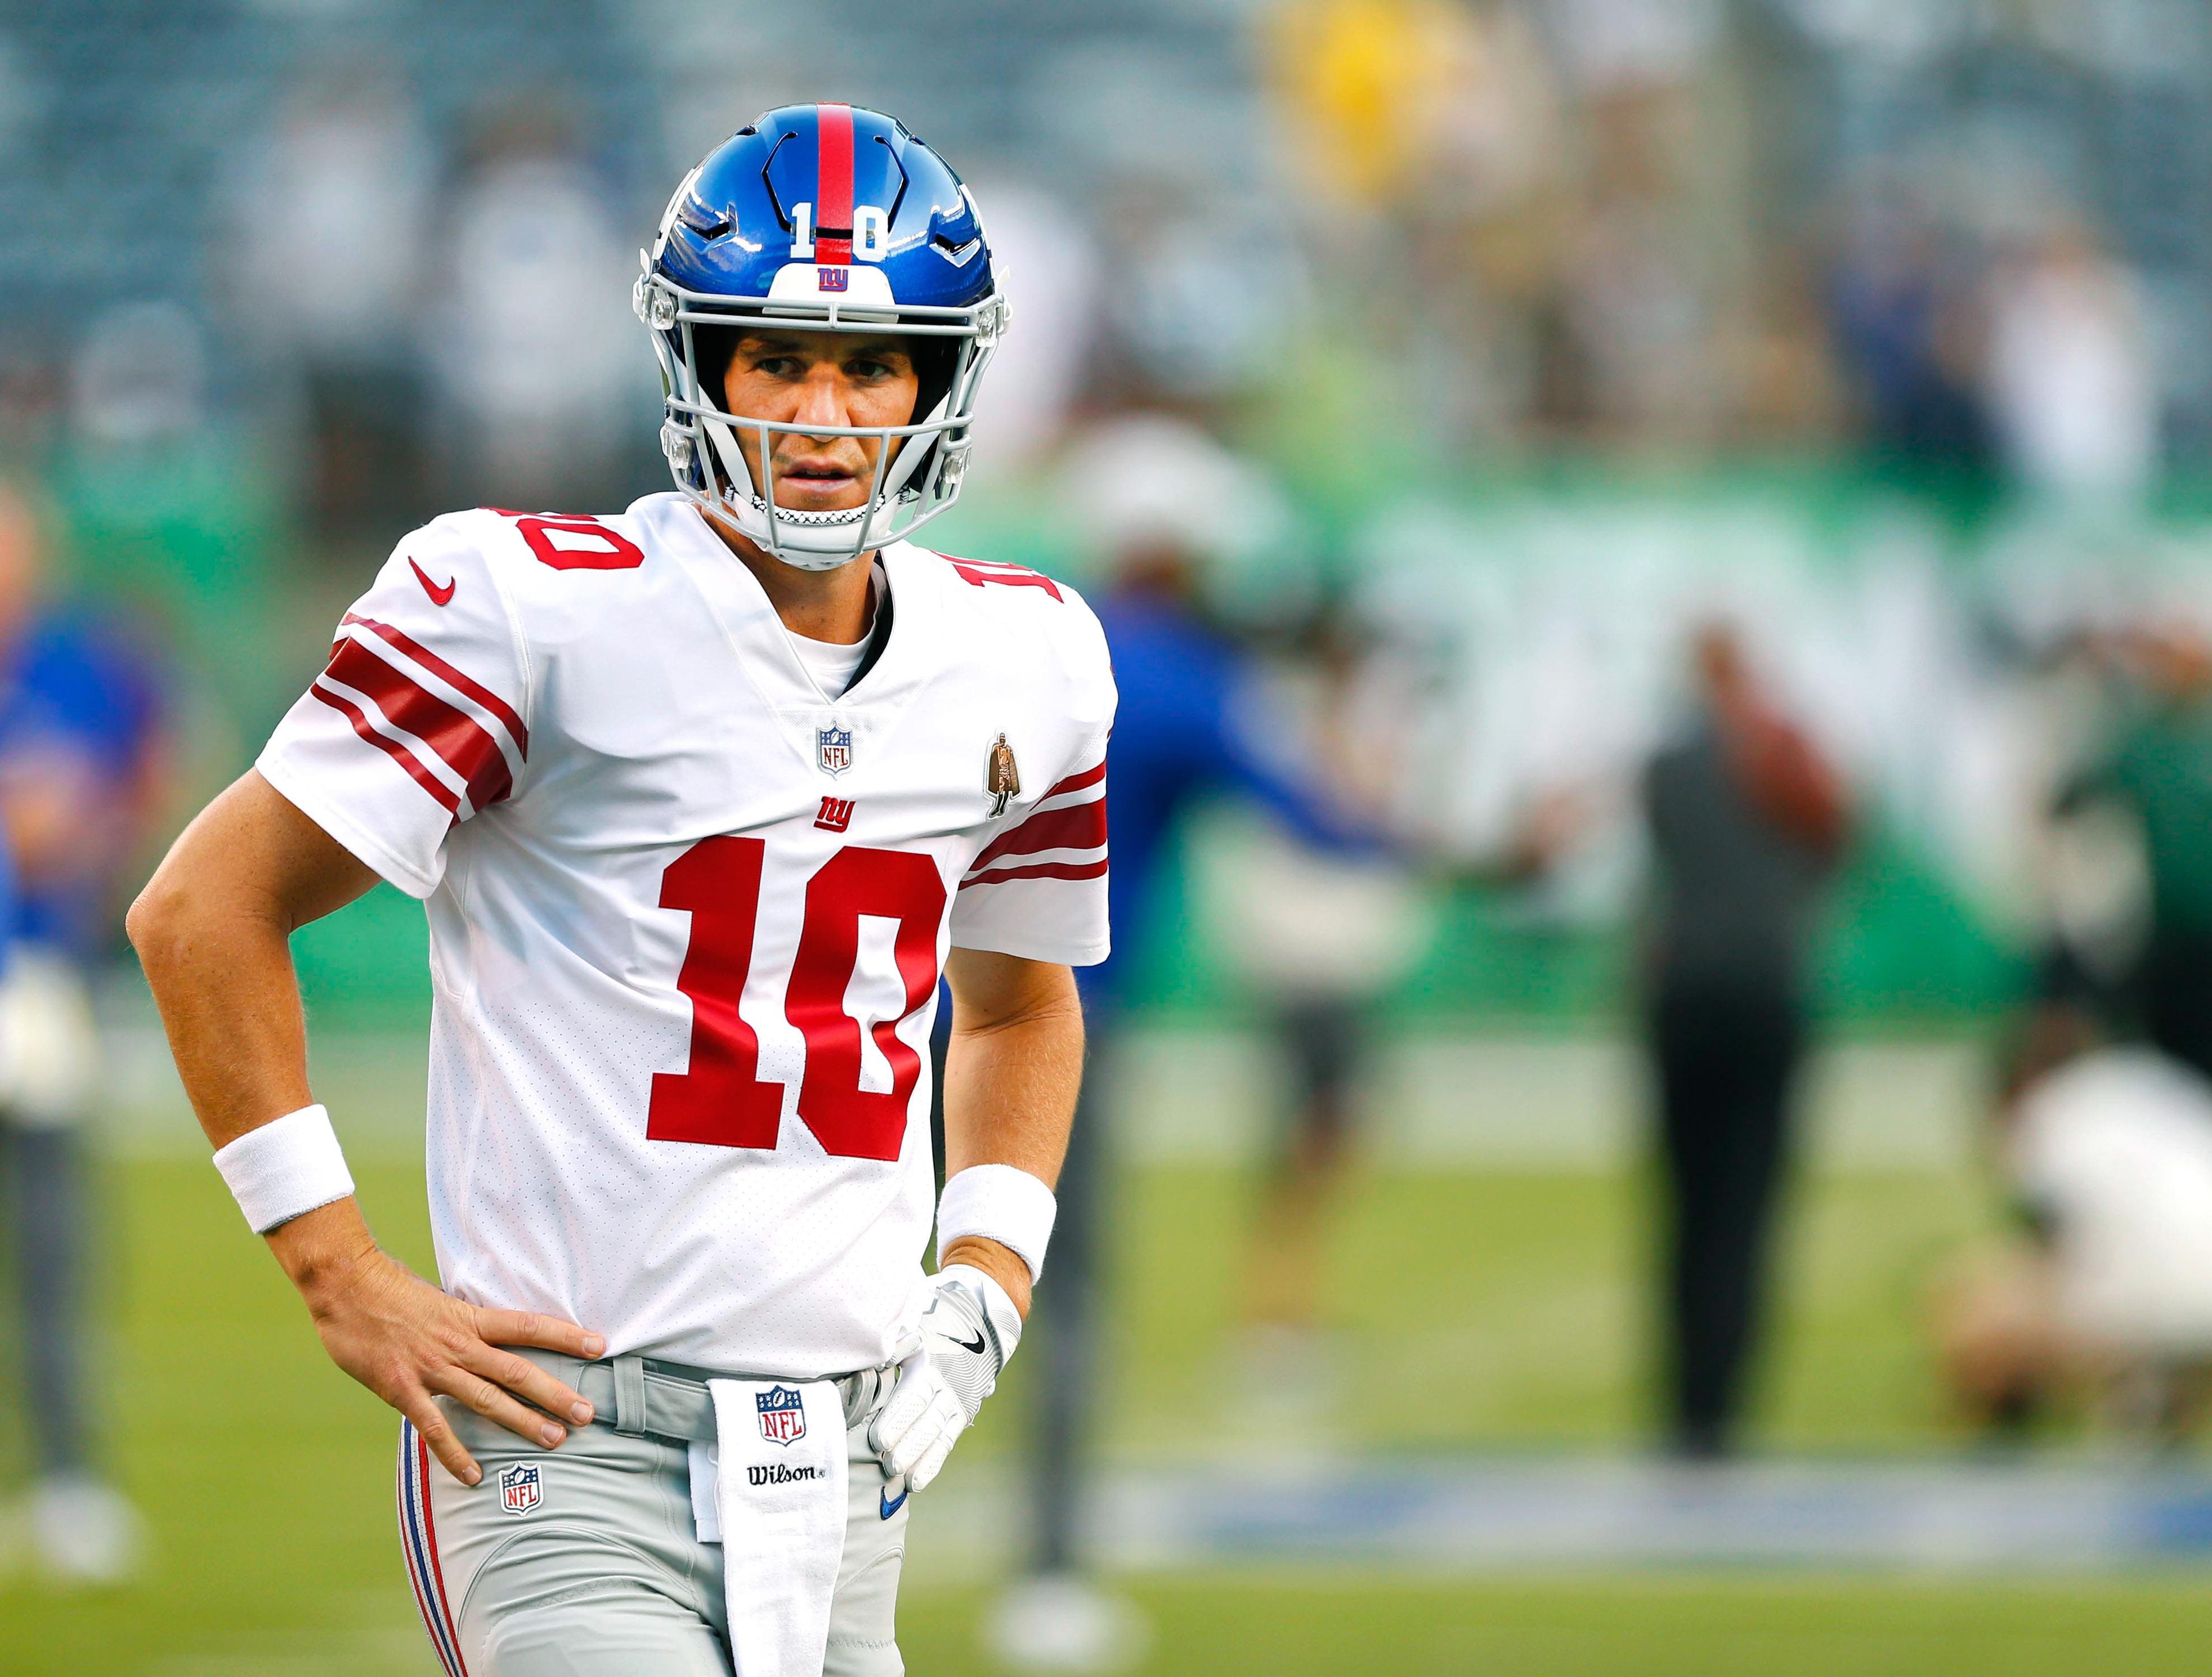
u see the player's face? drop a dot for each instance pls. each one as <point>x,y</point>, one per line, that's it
<point>799,378</point>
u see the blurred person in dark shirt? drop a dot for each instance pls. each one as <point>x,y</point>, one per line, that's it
<point>81,773</point>
<point>1746,821</point>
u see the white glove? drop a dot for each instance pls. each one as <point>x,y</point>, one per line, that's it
<point>967,1332</point>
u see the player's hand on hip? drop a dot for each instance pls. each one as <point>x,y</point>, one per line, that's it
<point>967,1332</point>
<point>409,1342</point>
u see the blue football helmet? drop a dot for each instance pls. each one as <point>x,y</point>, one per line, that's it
<point>829,218</point>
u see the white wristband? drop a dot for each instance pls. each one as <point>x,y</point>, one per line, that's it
<point>285,1168</point>
<point>1002,1203</point>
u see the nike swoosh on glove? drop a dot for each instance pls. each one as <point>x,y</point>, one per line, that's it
<point>967,1332</point>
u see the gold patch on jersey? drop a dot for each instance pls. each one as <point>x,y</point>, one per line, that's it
<point>1001,779</point>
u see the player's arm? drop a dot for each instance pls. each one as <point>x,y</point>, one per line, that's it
<point>1010,1077</point>
<point>213,930</point>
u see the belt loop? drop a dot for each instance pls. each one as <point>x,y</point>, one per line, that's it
<point>629,1396</point>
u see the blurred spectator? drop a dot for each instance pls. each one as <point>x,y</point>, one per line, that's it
<point>1747,821</point>
<point>1036,373</point>
<point>163,504</point>
<point>1904,320</point>
<point>2161,771</point>
<point>1206,292</point>
<point>2107,1153</point>
<point>540,366</point>
<point>80,779</point>
<point>1163,501</point>
<point>1317,938</point>
<point>333,214</point>
<point>2072,389</point>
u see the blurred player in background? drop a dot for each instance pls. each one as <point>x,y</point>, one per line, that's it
<point>82,777</point>
<point>1747,820</point>
<point>1317,938</point>
<point>2105,1150</point>
<point>1163,501</point>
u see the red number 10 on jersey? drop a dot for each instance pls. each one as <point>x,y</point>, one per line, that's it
<point>721,1100</point>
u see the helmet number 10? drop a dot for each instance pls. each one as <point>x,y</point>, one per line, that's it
<point>871,232</point>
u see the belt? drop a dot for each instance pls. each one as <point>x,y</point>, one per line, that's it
<point>647,1397</point>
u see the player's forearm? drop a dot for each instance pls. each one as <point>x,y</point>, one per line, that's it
<point>1010,1091</point>
<point>1010,1088</point>
<point>220,967</point>
<point>212,929</point>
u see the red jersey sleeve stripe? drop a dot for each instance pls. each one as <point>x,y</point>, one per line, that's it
<point>833,217</point>
<point>462,681</point>
<point>1089,776</point>
<point>1039,870</point>
<point>460,740</point>
<point>1079,826</point>
<point>399,753</point>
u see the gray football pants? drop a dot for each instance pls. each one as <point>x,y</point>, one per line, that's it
<point>605,1576</point>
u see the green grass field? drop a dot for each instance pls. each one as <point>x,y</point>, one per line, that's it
<point>1501,1308</point>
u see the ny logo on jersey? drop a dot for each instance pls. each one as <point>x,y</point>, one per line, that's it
<point>833,748</point>
<point>519,1488</point>
<point>834,815</point>
<point>832,279</point>
<point>783,1414</point>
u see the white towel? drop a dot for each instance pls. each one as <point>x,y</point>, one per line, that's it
<point>780,1501</point>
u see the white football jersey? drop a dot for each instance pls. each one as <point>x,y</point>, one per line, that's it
<point>688,914</point>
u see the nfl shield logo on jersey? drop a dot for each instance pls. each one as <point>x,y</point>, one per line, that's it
<point>519,1489</point>
<point>833,748</point>
<point>783,1415</point>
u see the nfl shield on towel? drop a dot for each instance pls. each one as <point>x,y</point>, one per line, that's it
<point>519,1488</point>
<point>833,748</point>
<point>783,1414</point>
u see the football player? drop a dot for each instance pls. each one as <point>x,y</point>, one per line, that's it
<point>701,798</point>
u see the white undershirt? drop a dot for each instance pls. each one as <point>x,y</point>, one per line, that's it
<point>831,665</point>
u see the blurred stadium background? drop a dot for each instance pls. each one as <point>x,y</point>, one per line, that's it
<point>1540,332</point>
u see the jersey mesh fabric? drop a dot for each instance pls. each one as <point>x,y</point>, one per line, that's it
<point>529,722</point>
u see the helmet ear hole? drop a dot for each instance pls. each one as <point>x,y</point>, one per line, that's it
<point>712,348</point>
<point>933,360</point>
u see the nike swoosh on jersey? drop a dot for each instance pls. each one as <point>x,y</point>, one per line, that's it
<point>886,1507</point>
<point>438,596</point>
<point>975,1345</point>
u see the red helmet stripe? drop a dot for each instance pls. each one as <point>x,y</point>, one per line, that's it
<point>833,214</point>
